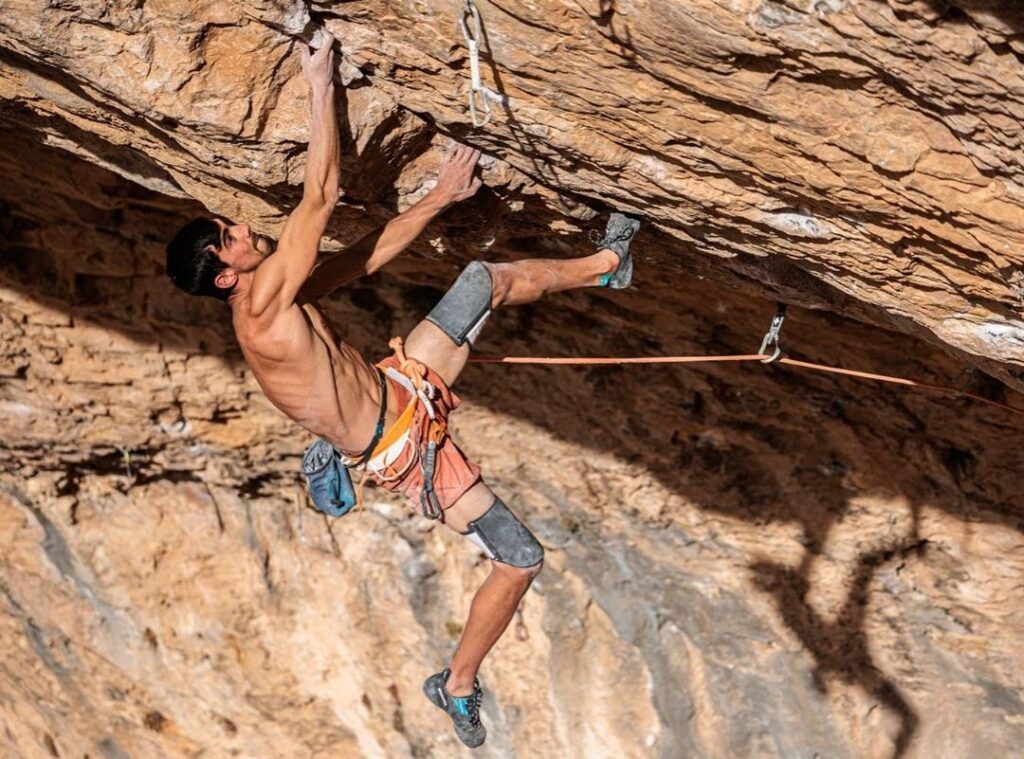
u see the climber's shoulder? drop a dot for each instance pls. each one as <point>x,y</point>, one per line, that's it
<point>281,330</point>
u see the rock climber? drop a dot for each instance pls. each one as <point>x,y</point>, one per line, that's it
<point>388,419</point>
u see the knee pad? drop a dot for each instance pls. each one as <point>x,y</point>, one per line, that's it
<point>462,311</point>
<point>504,538</point>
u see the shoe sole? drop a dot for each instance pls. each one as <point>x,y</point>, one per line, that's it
<point>430,691</point>
<point>434,697</point>
<point>622,277</point>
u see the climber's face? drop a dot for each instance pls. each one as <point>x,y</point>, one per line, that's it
<point>240,249</point>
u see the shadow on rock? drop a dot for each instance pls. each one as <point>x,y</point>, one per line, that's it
<point>841,648</point>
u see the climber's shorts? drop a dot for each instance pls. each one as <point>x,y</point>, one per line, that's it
<point>399,466</point>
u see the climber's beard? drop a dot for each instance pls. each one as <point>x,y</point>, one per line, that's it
<point>264,245</point>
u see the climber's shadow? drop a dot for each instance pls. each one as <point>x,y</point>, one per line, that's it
<point>841,647</point>
<point>774,475</point>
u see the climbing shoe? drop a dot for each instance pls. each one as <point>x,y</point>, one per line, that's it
<point>617,236</point>
<point>464,711</point>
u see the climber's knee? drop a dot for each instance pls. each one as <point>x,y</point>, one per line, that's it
<point>462,311</point>
<point>500,534</point>
<point>518,578</point>
<point>501,282</point>
<point>532,571</point>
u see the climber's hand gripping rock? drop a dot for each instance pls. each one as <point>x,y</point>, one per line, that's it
<point>456,178</point>
<point>318,66</point>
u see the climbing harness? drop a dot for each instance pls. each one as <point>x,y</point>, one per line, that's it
<point>478,91</point>
<point>437,429</point>
<point>771,337</point>
<point>382,455</point>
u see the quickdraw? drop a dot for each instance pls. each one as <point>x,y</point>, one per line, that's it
<point>478,91</point>
<point>771,337</point>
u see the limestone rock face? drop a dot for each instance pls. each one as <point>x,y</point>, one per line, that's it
<point>859,156</point>
<point>740,561</point>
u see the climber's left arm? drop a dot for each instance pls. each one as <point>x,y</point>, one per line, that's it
<point>455,182</point>
<point>282,275</point>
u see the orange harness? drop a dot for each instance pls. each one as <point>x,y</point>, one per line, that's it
<point>417,373</point>
<point>437,429</point>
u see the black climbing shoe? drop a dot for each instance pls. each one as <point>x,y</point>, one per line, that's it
<point>617,236</point>
<point>465,711</point>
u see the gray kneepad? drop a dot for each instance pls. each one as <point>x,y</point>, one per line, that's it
<point>462,311</point>
<point>504,538</point>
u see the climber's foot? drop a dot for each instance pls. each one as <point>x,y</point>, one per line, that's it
<point>464,711</point>
<point>617,236</point>
<point>606,263</point>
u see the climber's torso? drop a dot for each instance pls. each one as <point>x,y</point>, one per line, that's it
<point>309,374</point>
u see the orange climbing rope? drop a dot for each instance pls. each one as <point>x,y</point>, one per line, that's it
<point>626,360</point>
<point>759,357</point>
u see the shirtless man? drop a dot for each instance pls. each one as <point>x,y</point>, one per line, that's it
<point>394,412</point>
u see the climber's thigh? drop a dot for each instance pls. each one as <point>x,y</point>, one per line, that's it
<point>442,340</point>
<point>429,345</point>
<point>473,504</point>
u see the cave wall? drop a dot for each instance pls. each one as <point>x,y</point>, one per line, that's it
<point>856,156</point>
<point>740,562</point>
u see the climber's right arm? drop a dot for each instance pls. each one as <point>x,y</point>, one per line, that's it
<point>280,277</point>
<point>456,181</point>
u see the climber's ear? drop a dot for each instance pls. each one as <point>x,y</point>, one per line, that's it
<point>226,279</point>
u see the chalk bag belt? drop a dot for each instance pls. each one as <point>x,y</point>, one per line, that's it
<point>363,457</point>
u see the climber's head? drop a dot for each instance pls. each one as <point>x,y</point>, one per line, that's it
<point>206,256</point>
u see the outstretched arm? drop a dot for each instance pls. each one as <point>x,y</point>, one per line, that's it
<point>279,278</point>
<point>455,182</point>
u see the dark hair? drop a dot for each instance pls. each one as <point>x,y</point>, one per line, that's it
<point>191,265</point>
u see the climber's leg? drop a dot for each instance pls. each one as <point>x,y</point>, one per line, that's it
<point>521,282</point>
<point>442,341</point>
<point>490,613</point>
<point>516,558</point>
